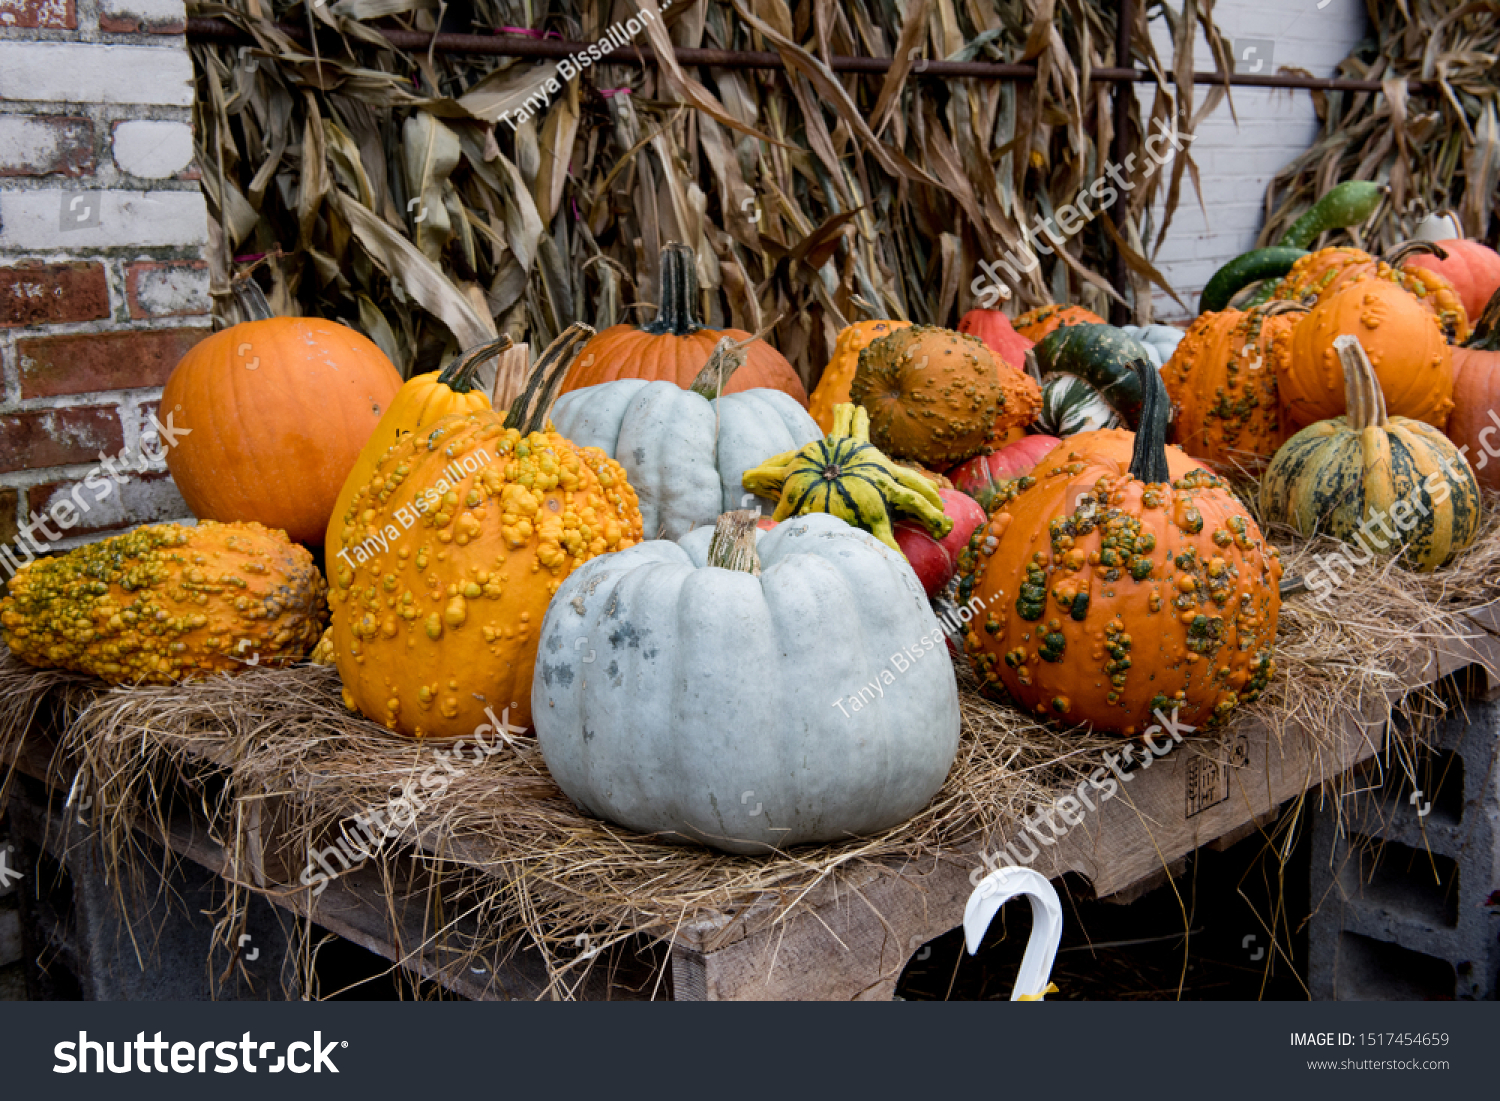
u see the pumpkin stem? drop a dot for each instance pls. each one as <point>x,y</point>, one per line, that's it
<point>529,411</point>
<point>1412,248</point>
<point>677,308</point>
<point>1285,305</point>
<point>1033,366</point>
<point>728,357</point>
<point>251,300</point>
<point>733,544</point>
<point>1363,397</point>
<point>1148,461</point>
<point>458,376</point>
<point>1486,334</point>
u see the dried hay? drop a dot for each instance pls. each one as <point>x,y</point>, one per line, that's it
<point>520,865</point>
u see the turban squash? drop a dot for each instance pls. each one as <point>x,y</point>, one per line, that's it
<point>833,387</point>
<point>737,724</point>
<point>675,346</point>
<point>1368,472</point>
<point>276,410</point>
<point>455,545</point>
<point>1109,589</point>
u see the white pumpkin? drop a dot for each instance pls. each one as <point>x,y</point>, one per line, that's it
<point>1160,341</point>
<point>684,453</point>
<point>814,702</point>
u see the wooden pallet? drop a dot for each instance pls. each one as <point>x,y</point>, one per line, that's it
<point>852,939</point>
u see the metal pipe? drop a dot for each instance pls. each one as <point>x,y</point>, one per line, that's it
<point>1119,312</point>
<point>218,30</point>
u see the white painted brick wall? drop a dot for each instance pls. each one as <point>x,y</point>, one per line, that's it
<point>85,72</point>
<point>1237,161</point>
<point>33,220</point>
<point>152,149</point>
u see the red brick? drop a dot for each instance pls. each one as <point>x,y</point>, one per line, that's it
<point>129,24</point>
<point>33,293</point>
<point>175,288</point>
<point>46,145</point>
<point>8,530</point>
<point>87,362</point>
<point>55,437</point>
<point>140,499</point>
<point>61,15</point>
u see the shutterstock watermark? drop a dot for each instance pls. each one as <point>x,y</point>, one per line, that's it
<point>101,481</point>
<point>1072,217</point>
<point>361,836</point>
<point>1069,809</point>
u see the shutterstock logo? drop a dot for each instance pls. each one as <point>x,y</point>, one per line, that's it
<point>144,1056</point>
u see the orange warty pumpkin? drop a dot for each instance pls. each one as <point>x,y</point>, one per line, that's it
<point>1110,591</point>
<point>833,387</point>
<point>1037,323</point>
<point>1475,423</point>
<point>1222,381</point>
<point>276,410</point>
<point>675,346</point>
<point>1020,402</point>
<point>1328,270</point>
<point>1473,269</point>
<point>1404,342</point>
<point>932,394</point>
<point>1111,446</point>
<point>460,538</point>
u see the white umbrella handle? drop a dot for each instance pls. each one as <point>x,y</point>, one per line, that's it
<point>993,892</point>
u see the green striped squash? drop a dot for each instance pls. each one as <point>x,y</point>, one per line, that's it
<point>1376,482</point>
<point>1071,406</point>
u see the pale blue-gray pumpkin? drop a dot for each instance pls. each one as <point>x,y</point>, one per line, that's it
<point>1385,482</point>
<point>685,451</point>
<point>705,701</point>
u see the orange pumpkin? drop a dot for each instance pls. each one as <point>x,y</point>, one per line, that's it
<point>1475,423</point>
<point>1222,380</point>
<point>1113,593</point>
<point>1037,323</point>
<point>1110,446</point>
<point>1404,342</point>
<point>276,411</point>
<point>1328,270</point>
<point>675,346</point>
<point>833,387</point>
<point>1473,269</point>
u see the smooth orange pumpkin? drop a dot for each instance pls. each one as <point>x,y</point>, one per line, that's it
<point>675,346</point>
<point>1475,424</point>
<point>276,411</point>
<point>1222,381</point>
<point>1037,323</point>
<point>1473,269</point>
<point>833,387</point>
<point>1412,360</point>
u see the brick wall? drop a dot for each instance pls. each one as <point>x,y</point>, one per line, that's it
<point>1237,159</point>
<point>102,282</point>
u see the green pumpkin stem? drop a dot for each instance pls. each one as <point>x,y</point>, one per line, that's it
<point>1363,399</point>
<point>1486,334</point>
<point>529,412</point>
<point>677,307</point>
<point>728,357</point>
<point>251,300</point>
<point>458,376</point>
<point>733,544</point>
<point>1148,461</point>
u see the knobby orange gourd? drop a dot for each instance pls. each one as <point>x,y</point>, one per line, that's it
<point>452,551</point>
<point>423,400</point>
<point>1110,590</point>
<point>275,411</point>
<point>833,387</point>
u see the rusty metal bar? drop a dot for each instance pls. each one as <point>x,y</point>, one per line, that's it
<point>1119,312</point>
<point>217,30</point>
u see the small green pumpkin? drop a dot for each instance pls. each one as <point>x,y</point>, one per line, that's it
<point>846,476</point>
<point>1087,379</point>
<point>1374,480</point>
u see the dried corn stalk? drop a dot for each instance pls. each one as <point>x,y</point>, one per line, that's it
<point>388,193</point>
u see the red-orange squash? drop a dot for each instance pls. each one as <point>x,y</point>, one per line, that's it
<point>998,334</point>
<point>1475,423</point>
<point>272,414</point>
<point>1471,267</point>
<point>675,346</point>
